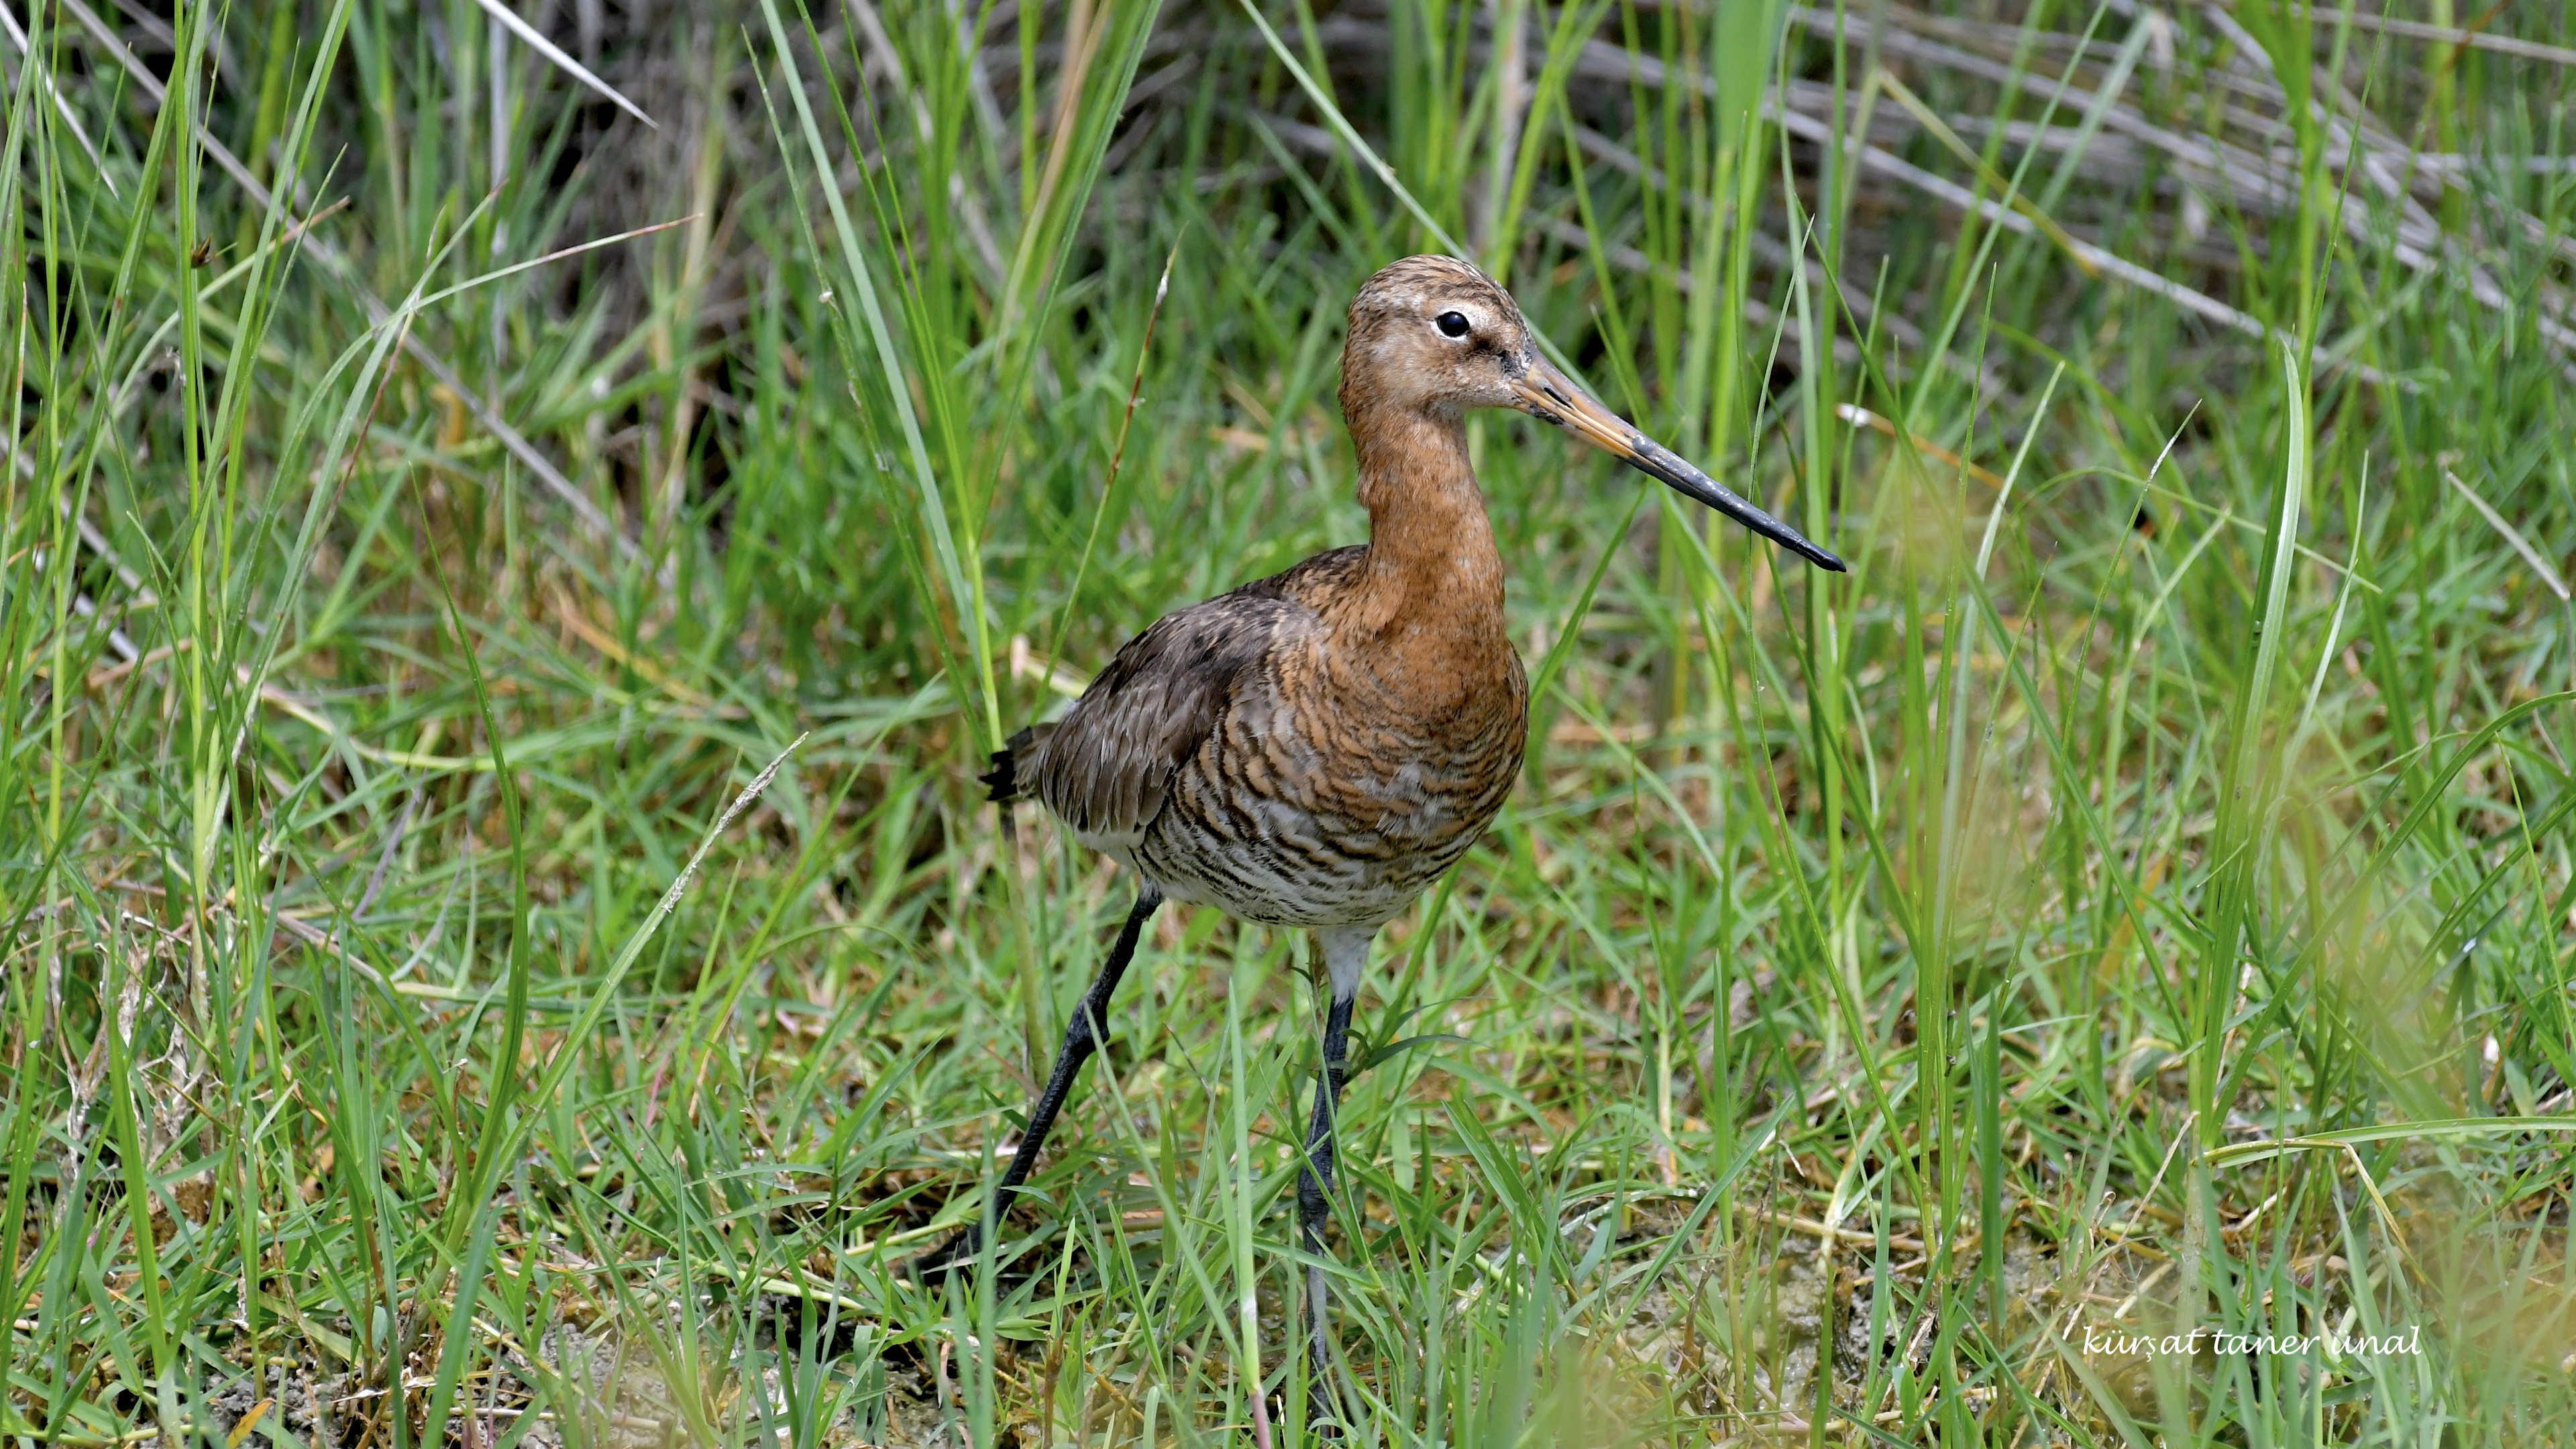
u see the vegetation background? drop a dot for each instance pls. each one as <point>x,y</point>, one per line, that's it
<point>502,600</point>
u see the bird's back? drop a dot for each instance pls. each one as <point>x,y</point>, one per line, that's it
<point>1269,753</point>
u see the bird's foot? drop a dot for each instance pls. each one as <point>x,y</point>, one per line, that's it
<point>959,1251</point>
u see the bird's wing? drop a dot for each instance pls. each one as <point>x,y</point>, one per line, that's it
<point>1105,768</point>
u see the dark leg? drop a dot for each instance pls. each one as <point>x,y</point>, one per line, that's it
<point>1081,1039</point>
<point>1313,1208</point>
<point>1345,951</point>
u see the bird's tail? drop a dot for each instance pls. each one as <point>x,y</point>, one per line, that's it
<point>1007,781</point>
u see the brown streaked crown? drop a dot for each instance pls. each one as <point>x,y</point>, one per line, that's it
<point>1397,355</point>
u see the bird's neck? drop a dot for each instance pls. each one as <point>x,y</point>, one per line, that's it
<point>1433,573</point>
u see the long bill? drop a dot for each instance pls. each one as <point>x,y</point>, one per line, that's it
<point>1547,393</point>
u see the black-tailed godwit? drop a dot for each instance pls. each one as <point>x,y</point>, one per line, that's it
<point>1315,748</point>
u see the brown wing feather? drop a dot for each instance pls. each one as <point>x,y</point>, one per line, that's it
<point>1105,768</point>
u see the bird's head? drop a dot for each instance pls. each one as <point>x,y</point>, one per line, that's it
<point>1434,336</point>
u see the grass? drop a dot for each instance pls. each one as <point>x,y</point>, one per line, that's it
<point>505,945</point>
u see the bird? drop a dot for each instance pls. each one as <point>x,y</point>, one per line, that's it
<point>1314,749</point>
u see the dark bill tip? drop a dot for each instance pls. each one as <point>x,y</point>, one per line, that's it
<point>1666,467</point>
<point>1547,394</point>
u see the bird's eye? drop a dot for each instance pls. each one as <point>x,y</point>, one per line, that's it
<point>1451,324</point>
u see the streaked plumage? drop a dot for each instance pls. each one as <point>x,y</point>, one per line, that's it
<point>1314,749</point>
<point>1266,753</point>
